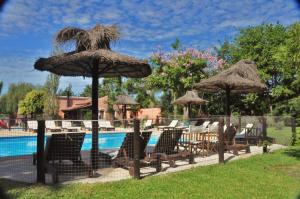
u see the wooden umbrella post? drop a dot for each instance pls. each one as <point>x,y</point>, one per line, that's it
<point>136,148</point>
<point>227,101</point>
<point>221,140</point>
<point>95,147</point>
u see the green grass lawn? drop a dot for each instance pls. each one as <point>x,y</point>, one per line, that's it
<point>275,175</point>
<point>282,136</point>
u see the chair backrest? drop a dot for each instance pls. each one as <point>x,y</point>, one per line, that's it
<point>66,124</point>
<point>32,124</point>
<point>229,135</point>
<point>87,123</point>
<point>108,124</point>
<point>205,124</point>
<point>50,124</point>
<point>64,146</point>
<point>173,123</point>
<point>148,123</point>
<point>249,126</point>
<point>127,145</point>
<point>167,141</point>
<point>101,123</point>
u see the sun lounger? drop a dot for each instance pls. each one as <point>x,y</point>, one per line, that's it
<point>213,128</point>
<point>105,125</point>
<point>231,144</point>
<point>148,125</point>
<point>51,126</point>
<point>67,125</point>
<point>199,129</point>
<point>172,125</point>
<point>242,134</point>
<point>62,155</point>
<point>87,124</point>
<point>32,125</point>
<point>125,155</point>
<point>166,148</point>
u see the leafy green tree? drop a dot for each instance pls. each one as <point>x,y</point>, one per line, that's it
<point>275,49</point>
<point>145,97</point>
<point>33,103</point>
<point>50,102</point>
<point>87,91</point>
<point>67,91</point>
<point>175,72</point>
<point>16,92</point>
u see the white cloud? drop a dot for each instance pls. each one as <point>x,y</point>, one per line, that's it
<point>144,25</point>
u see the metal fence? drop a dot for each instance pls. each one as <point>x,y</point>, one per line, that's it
<point>54,151</point>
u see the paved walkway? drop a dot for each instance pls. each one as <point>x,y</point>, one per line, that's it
<point>22,169</point>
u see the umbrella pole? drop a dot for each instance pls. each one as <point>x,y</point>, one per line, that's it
<point>95,147</point>
<point>227,101</point>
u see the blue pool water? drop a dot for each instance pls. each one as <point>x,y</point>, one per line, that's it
<point>25,145</point>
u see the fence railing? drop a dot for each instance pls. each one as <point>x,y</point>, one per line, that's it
<point>61,150</point>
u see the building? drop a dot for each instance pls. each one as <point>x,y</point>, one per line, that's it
<point>76,108</point>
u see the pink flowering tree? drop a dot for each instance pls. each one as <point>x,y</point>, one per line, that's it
<point>176,71</point>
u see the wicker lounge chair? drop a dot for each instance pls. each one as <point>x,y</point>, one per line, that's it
<point>62,155</point>
<point>167,148</point>
<point>231,144</point>
<point>125,155</point>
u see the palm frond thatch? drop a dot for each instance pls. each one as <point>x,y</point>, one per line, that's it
<point>191,97</point>
<point>125,100</point>
<point>242,77</point>
<point>99,37</point>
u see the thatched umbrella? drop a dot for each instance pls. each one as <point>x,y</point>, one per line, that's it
<point>93,58</point>
<point>125,100</point>
<point>191,97</point>
<point>242,77</point>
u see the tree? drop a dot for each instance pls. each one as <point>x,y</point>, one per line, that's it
<point>145,97</point>
<point>33,103</point>
<point>50,102</point>
<point>67,91</point>
<point>175,72</point>
<point>16,92</point>
<point>275,49</point>
<point>87,91</point>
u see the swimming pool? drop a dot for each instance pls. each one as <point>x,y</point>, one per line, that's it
<point>26,145</point>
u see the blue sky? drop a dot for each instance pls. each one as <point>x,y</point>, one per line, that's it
<point>27,27</point>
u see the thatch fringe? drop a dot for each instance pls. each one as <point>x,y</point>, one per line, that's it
<point>96,38</point>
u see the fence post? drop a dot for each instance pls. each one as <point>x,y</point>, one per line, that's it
<point>136,149</point>
<point>221,140</point>
<point>40,151</point>
<point>294,135</point>
<point>240,124</point>
<point>264,134</point>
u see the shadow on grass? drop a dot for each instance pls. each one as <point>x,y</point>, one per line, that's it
<point>293,152</point>
<point>13,188</point>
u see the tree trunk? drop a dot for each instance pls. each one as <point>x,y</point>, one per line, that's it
<point>175,111</point>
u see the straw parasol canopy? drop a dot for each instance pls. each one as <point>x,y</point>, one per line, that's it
<point>94,58</point>
<point>242,77</point>
<point>125,100</point>
<point>191,97</point>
